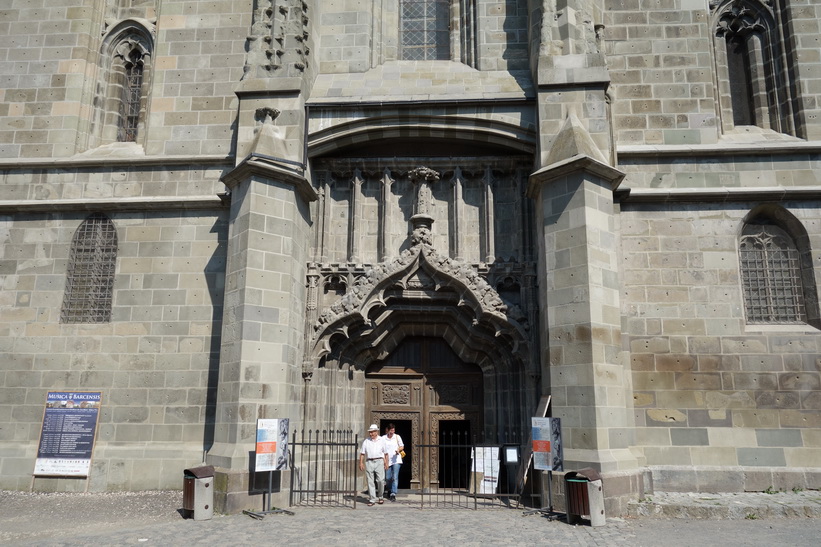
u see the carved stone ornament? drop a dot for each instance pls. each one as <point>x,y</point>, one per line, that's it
<point>477,298</point>
<point>741,18</point>
<point>266,114</point>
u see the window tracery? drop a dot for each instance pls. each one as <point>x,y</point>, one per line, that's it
<point>90,272</point>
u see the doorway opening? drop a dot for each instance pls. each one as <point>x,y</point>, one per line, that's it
<point>454,453</point>
<point>404,429</point>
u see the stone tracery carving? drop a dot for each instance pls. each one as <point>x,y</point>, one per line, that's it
<point>739,20</point>
<point>421,250</point>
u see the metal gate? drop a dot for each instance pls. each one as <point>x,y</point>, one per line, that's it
<point>465,472</point>
<point>324,468</point>
<point>468,473</point>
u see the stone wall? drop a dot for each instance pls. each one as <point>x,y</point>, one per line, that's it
<point>154,363</point>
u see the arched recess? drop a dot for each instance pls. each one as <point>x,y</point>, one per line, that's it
<point>419,294</point>
<point>121,91</point>
<point>773,223</point>
<point>753,68</point>
<point>381,129</point>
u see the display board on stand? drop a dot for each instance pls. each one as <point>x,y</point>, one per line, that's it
<point>271,455</point>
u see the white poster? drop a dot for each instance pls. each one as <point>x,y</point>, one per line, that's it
<point>486,461</point>
<point>272,444</point>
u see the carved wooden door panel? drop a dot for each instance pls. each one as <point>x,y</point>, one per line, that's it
<point>421,385</point>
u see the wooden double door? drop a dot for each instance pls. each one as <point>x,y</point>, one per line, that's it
<point>433,398</point>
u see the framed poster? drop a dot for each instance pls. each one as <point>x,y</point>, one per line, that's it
<point>272,444</point>
<point>546,435</point>
<point>67,434</point>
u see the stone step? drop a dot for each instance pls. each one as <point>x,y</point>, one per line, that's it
<point>736,505</point>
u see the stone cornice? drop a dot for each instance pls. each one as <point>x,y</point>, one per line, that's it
<point>163,203</point>
<point>113,162</point>
<point>679,195</point>
<point>575,164</point>
<point>695,151</point>
<point>272,168</point>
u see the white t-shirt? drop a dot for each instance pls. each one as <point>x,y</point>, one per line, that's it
<point>374,448</point>
<point>393,445</point>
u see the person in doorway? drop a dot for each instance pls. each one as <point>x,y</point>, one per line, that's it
<point>373,460</point>
<point>395,448</point>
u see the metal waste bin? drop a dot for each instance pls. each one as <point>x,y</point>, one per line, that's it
<point>198,493</point>
<point>584,496</point>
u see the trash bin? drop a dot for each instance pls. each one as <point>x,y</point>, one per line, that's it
<point>584,496</point>
<point>198,492</point>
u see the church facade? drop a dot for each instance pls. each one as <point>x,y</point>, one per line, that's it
<point>433,212</point>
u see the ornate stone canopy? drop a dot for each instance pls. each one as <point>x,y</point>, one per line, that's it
<point>419,292</point>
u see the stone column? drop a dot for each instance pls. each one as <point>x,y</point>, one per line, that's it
<point>260,372</point>
<point>583,365</point>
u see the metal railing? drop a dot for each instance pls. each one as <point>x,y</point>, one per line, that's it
<point>324,468</point>
<point>454,471</point>
<point>469,473</point>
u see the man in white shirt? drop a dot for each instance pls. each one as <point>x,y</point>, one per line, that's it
<point>394,445</point>
<point>373,460</point>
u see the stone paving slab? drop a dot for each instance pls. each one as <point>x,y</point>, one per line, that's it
<point>153,518</point>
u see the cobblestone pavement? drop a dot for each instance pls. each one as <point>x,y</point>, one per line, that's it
<point>154,519</point>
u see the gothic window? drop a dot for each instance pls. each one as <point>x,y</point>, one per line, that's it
<point>123,85</point>
<point>90,274</point>
<point>777,277</point>
<point>752,79</point>
<point>437,30</point>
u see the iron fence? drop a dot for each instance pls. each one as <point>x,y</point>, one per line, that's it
<point>324,468</point>
<point>470,473</point>
<point>454,470</point>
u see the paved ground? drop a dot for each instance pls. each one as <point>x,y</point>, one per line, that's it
<point>153,518</point>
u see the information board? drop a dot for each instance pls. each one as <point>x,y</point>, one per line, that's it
<point>546,435</point>
<point>272,444</point>
<point>68,433</point>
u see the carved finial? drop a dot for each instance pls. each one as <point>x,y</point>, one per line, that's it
<point>266,114</point>
<point>423,174</point>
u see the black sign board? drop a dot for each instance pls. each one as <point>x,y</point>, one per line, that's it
<point>67,435</point>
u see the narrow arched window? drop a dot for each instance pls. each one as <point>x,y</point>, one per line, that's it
<point>122,87</point>
<point>90,273</point>
<point>131,97</point>
<point>771,276</point>
<point>753,80</point>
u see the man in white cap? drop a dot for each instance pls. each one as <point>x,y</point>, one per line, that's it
<point>373,460</point>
